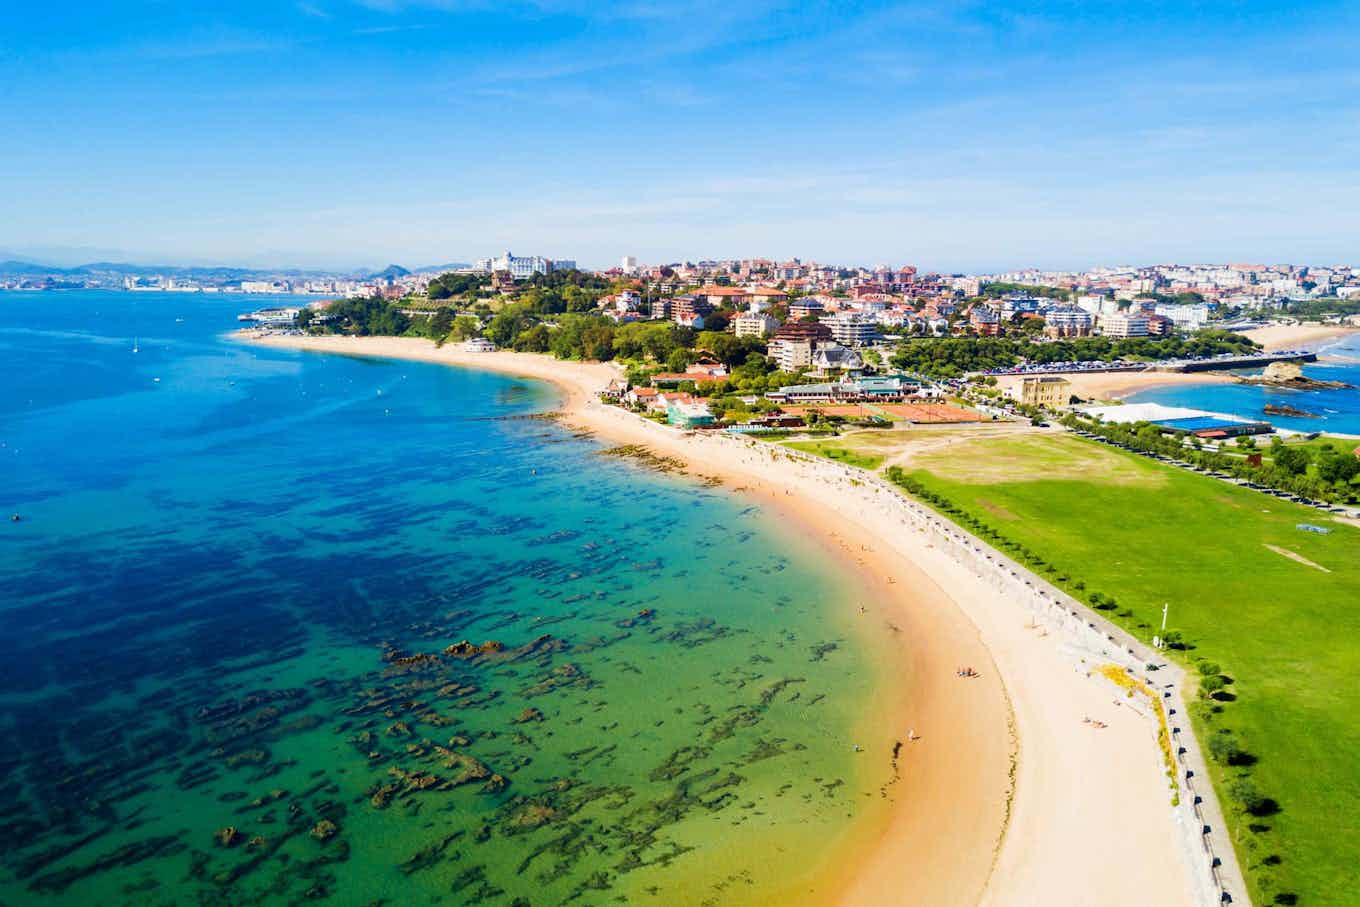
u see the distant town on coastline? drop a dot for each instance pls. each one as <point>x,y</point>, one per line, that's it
<point>771,348</point>
<point>1221,287</point>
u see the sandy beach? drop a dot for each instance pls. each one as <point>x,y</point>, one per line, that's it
<point>1008,796</point>
<point>1117,385</point>
<point>1298,336</point>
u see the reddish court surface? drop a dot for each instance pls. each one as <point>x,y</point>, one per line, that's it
<point>920,413</point>
<point>928,413</point>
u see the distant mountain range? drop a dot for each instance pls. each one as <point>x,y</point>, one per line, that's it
<point>388,272</point>
<point>222,273</point>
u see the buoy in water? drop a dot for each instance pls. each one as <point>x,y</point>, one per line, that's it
<point>15,518</point>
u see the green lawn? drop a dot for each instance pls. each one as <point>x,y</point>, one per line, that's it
<point>1231,563</point>
<point>1316,445</point>
<point>841,453</point>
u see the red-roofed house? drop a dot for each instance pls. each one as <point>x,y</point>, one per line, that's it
<point>734,297</point>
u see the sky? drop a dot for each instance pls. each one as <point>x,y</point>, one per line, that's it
<point>960,136</point>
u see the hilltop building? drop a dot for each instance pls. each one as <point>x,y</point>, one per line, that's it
<point>522,268</point>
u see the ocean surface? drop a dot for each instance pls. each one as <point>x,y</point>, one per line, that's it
<point>1336,411</point>
<point>231,616</point>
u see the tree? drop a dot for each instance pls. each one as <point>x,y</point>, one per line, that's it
<point>1211,683</point>
<point>441,322</point>
<point>464,327</point>
<point>1338,468</point>
<point>534,340</point>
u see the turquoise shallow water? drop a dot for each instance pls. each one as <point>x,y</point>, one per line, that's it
<point>231,601</point>
<point>1336,411</point>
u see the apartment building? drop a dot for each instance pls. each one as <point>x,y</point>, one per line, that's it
<point>1124,325</point>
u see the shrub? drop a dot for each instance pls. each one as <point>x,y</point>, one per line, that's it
<point>1223,747</point>
<point>1245,792</point>
<point>1210,684</point>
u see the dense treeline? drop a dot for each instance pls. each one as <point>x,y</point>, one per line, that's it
<point>364,316</point>
<point>588,336</point>
<point>447,285</point>
<point>582,280</point>
<point>543,320</point>
<point>952,357</point>
<point>1316,308</point>
<point>997,290</point>
<point>1325,474</point>
<point>1189,297</point>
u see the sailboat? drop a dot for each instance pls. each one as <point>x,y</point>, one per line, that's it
<point>134,344</point>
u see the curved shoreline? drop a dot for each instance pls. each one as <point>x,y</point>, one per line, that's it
<point>1007,797</point>
<point>1305,335</point>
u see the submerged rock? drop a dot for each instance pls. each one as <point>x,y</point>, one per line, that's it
<point>465,649</point>
<point>324,830</point>
<point>227,837</point>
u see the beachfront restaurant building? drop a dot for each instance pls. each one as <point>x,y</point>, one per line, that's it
<point>689,414</point>
<point>862,390</point>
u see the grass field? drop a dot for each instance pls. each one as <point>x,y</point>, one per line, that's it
<point>834,450</point>
<point>1278,609</point>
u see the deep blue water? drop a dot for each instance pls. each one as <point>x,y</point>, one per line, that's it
<point>226,603</point>
<point>1338,410</point>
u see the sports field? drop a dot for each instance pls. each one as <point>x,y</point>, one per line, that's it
<point>1275,607</point>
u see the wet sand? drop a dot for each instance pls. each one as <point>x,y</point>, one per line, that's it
<point>1008,796</point>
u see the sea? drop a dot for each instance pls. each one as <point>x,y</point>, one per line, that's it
<point>283,627</point>
<point>1333,411</point>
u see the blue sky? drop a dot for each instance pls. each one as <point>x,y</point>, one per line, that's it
<point>956,136</point>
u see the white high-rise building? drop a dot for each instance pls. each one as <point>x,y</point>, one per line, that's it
<point>629,264</point>
<point>1185,317</point>
<point>852,328</point>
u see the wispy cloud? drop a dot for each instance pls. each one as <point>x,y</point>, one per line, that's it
<point>388,29</point>
<point>311,9</point>
<point>215,42</point>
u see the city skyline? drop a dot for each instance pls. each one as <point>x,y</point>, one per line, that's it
<point>961,138</point>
